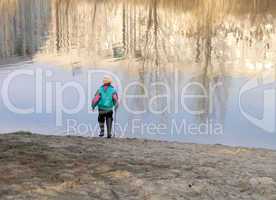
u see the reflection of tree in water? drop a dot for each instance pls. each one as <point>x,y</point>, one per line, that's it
<point>205,52</point>
<point>24,26</point>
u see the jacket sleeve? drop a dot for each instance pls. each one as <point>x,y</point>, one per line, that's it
<point>96,100</point>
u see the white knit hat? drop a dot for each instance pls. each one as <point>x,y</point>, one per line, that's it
<point>107,79</point>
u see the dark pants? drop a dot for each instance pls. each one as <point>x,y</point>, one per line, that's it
<point>105,116</point>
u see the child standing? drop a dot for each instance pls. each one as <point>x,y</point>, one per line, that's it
<point>106,98</point>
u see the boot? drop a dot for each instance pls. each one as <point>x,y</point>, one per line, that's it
<point>101,134</point>
<point>109,127</point>
<point>102,130</point>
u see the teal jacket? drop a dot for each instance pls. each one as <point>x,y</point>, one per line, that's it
<point>106,98</point>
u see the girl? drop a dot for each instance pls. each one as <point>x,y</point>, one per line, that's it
<point>106,98</point>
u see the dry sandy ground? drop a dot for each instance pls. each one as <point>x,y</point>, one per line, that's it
<point>72,168</point>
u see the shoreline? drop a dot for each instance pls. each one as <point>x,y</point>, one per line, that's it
<point>141,139</point>
<point>36,166</point>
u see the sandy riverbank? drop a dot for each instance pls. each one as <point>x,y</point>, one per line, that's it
<point>72,168</point>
